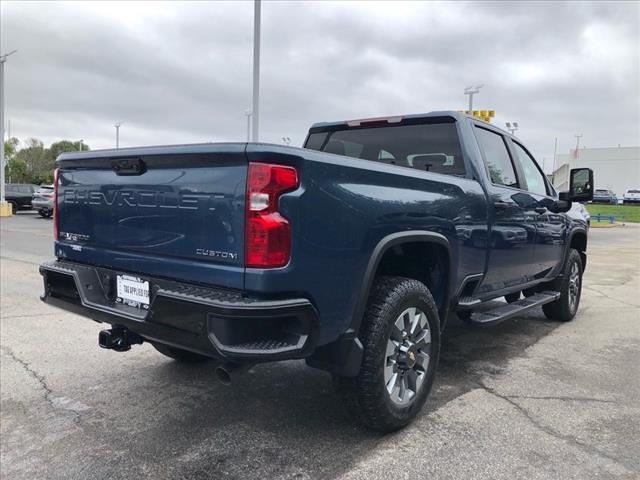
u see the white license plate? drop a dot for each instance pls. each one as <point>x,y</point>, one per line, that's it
<point>133,291</point>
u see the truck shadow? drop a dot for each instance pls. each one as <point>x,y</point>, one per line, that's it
<point>286,419</point>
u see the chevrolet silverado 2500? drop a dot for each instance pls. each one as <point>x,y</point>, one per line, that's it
<point>351,252</point>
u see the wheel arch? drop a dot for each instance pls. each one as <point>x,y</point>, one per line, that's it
<point>578,240</point>
<point>383,247</point>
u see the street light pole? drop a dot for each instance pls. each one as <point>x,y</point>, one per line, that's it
<point>248,114</point>
<point>3,59</point>
<point>117,125</point>
<point>80,144</point>
<point>553,172</point>
<point>256,70</point>
<point>578,137</point>
<point>471,90</point>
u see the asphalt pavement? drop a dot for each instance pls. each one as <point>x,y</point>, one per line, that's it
<point>529,398</point>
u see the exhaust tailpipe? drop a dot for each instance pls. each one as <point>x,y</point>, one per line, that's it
<point>226,371</point>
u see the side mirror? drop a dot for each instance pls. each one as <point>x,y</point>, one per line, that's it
<point>580,186</point>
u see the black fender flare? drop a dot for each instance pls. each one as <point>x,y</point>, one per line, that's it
<point>575,231</point>
<point>378,252</point>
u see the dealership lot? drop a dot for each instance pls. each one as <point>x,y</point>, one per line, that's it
<point>527,399</point>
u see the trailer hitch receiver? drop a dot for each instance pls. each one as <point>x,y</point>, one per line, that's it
<point>119,339</point>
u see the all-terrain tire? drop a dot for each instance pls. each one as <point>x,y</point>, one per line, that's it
<point>180,355</point>
<point>366,395</point>
<point>569,284</point>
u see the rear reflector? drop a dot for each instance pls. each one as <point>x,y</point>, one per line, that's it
<point>267,233</point>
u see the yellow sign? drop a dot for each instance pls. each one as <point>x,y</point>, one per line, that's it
<point>485,115</point>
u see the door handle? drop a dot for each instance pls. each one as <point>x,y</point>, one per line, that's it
<point>540,210</point>
<point>500,205</point>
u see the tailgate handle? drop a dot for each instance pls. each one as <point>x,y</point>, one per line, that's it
<point>128,166</point>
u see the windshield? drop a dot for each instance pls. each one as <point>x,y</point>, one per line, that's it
<point>429,147</point>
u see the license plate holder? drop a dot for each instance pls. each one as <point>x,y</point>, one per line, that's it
<point>132,291</point>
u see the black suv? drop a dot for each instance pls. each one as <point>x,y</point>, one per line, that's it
<point>19,195</point>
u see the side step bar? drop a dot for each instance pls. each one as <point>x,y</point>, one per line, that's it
<point>504,312</point>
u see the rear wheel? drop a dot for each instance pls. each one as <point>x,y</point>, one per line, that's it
<point>180,355</point>
<point>400,334</point>
<point>45,213</point>
<point>14,207</point>
<point>570,287</point>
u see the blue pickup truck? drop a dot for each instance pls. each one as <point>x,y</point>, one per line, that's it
<point>352,252</point>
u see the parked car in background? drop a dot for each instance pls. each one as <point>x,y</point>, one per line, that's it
<point>19,195</point>
<point>42,200</point>
<point>605,196</point>
<point>631,196</point>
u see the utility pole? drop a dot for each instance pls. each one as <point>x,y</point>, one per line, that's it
<point>471,90</point>
<point>80,144</point>
<point>553,172</point>
<point>578,137</point>
<point>4,209</point>
<point>248,114</point>
<point>256,70</point>
<point>117,125</point>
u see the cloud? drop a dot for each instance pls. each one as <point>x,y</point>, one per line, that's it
<point>181,72</point>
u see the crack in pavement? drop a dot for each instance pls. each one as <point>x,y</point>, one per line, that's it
<point>610,297</point>
<point>27,367</point>
<point>41,380</point>
<point>548,430</point>
<point>551,397</point>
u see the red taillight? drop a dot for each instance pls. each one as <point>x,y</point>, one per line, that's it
<point>267,233</point>
<point>55,204</point>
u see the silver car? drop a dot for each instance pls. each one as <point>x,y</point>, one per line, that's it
<point>42,200</point>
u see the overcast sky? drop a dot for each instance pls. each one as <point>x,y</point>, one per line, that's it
<point>181,72</point>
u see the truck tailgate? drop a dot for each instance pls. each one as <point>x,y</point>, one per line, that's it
<point>175,212</point>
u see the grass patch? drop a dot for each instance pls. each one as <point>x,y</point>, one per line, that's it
<point>631,213</point>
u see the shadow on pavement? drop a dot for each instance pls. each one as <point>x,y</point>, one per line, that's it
<point>279,419</point>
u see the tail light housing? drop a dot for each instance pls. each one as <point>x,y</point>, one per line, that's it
<point>267,232</point>
<point>55,204</point>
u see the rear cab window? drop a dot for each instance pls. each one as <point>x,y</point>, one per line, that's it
<point>431,147</point>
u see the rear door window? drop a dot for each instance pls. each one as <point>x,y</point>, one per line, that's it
<point>497,158</point>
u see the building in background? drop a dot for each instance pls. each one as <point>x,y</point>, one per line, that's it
<point>616,168</point>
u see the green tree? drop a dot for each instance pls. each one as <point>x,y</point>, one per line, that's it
<point>10,148</point>
<point>62,146</point>
<point>33,155</point>
<point>16,171</point>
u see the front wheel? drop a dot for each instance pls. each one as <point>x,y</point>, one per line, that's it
<point>400,334</point>
<point>45,213</point>
<point>570,287</point>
